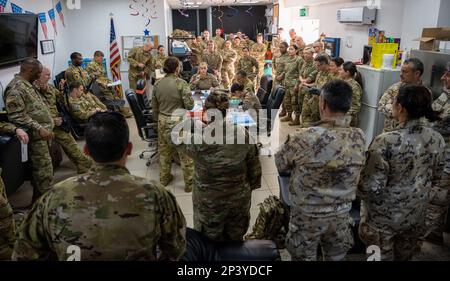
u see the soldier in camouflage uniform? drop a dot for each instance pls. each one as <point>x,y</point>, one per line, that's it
<point>171,94</point>
<point>250,101</point>
<point>241,78</point>
<point>7,226</point>
<point>52,97</point>
<point>293,69</point>
<point>142,64</point>
<point>229,58</point>
<point>222,196</point>
<point>396,184</point>
<point>108,213</point>
<point>437,210</point>
<point>319,50</point>
<point>276,41</point>
<point>248,64</point>
<point>349,73</point>
<point>292,35</point>
<point>248,42</point>
<point>197,48</point>
<point>214,59</point>
<point>203,80</point>
<point>300,44</point>
<point>27,108</point>
<point>108,96</point>
<point>300,90</point>
<point>279,66</point>
<point>258,51</point>
<point>160,57</point>
<point>237,46</point>
<point>79,107</point>
<point>76,72</point>
<point>411,73</point>
<point>310,111</point>
<point>218,40</point>
<point>325,162</point>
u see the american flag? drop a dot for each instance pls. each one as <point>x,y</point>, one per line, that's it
<point>51,14</point>
<point>60,13</point>
<point>16,9</point>
<point>115,58</point>
<point>43,21</point>
<point>3,5</point>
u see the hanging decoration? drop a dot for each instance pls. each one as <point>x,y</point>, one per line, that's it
<point>51,14</point>
<point>220,18</point>
<point>43,21</point>
<point>183,13</point>
<point>248,11</point>
<point>16,9</point>
<point>146,32</point>
<point>60,13</point>
<point>235,12</point>
<point>3,5</point>
<point>134,9</point>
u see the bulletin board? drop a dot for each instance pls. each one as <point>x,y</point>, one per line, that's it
<point>129,42</point>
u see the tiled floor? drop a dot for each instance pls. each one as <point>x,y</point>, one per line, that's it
<point>269,186</point>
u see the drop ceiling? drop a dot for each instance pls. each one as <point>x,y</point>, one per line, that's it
<point>202,4</point>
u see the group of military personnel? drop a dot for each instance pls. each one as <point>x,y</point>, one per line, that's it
<point>402,180</point>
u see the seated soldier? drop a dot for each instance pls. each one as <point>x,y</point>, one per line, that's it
<point>107,94</point>
<point>241,78</point>
<point>203,80</point>
<point>250,101</point>
<point>109,214</point>
<point>81,109</point>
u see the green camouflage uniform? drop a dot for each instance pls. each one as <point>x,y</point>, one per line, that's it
<point>258,51</point>
<point>159,61</point>
<point>250,66</point>
<point>437,210</point>
<point>93,101</point>
<point>81,109</point>
<point>27,108</point>
<point>196,50</point>
<point>205,83</point>
<point>169,94</point>
<point>7,226</point>
<point>279,65</point>
<point>395,188</point>
<point>325,163</point>
<point>108,213</point>
<point>219,42</point>
<point>385,106</point>
<point>137,56</point>
<point>214,60</point>
<point>98,73</point>
<point>356,101</point>
<point>238,49</point>
<point>251,104</point>
<point>310,111</point>
<point>306,71</point>
<point>249,86</point>
<point>77,73</point>
<point>52,96</point>
<point>276,41</point>
<point>224,177</point>
<point>293,69</point>
<point>229,59</point>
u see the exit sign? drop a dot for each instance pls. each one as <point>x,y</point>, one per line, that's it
<point>303,12</point>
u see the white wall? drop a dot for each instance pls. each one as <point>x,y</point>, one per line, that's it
<point>388,19</point>
<point>7,74</point>
<point>444,13</point>
<point>418,14</point>
<point>168,19</point>
<point>90,27</point>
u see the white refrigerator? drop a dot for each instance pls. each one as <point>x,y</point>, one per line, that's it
<point>376,82</point>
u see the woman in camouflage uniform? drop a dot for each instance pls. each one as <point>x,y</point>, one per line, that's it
<point>349,73</point>
<point>402,167</point>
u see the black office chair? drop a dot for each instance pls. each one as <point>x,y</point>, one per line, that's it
<point>112,105</point>
<point>58,79</point>
<point>200,248</point>
<point>273,105</point>
<point>141,95</point>
<point>147,131</point>
<point>264,90</point>
<point>76,128</point>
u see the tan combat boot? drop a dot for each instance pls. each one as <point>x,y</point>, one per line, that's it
<point>295,122</point>
<point>287,118</point>
<point>283,113</point>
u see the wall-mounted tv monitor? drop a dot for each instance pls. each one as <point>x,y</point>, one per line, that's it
<point>18,38</point>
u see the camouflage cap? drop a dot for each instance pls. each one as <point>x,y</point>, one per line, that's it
<point>217,100</point>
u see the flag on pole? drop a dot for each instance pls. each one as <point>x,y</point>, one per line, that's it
<point>3,5</point>
<point>60,13</point>
<point>43,21</point>
<point>51,14</point>
<point>115,58</point>
<point>16,9</point>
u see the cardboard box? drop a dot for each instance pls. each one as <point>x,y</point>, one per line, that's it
<point>431,36</point>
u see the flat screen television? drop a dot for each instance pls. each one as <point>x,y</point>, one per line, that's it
<point>18,38</point>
